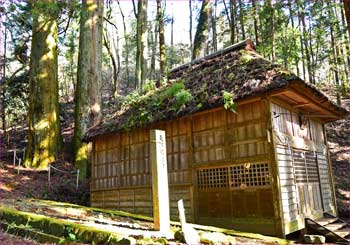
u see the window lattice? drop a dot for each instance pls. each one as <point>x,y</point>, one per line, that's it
<point>305,166</point>
<point>249,175</point>
<point>213,178</point>
<point>235,176</point>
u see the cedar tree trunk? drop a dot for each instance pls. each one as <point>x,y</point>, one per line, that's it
<point>88,92</point>
<point>44,136</point>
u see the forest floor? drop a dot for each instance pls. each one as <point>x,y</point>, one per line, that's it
<point>338,136</point>
<point>34,184</point>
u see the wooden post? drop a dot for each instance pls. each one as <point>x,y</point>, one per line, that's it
<point>77,183</point>
<point>160,188</point>
<point>14,157</point>
<point>19,165</point>
<point>49,174</point>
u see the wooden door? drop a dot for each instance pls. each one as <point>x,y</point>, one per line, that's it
<point>307,181</point>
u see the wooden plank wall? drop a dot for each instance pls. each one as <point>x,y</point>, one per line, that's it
<point>121,168</point>
<point>303,169</point>
<point>289,194</point>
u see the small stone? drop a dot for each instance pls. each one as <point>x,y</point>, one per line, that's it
<point>127,240</point>
<point>145,241</point>
<point>179,236</point>
<point>314,239</point>
<point>162,240</point>
<point>215,238</point>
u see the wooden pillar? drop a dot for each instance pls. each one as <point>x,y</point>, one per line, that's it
<point>275,179</point>
<point>160,188</point>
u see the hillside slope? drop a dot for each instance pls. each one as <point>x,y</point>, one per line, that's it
<point>338,134</point>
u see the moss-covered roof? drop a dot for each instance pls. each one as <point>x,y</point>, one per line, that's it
<point>231,74</point>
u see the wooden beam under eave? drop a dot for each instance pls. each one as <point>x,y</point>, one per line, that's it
<point>281,92</point>
<point>311,98</point>
<point>301,105</point>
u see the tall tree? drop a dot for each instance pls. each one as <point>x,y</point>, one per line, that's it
<point>191,21</point>
<point>255,22</point>
<point>126,38</point>
<point>347,15</point>
<point>213,27</point>
<point>241,18</point>
<point>334,61</point>
<point>141,51</point>
<point>162,48</point>
<point>202,32</point>
<point>44,134</point>
<point>233,25</point>
<point>3,77</point>
<point>88,91</point>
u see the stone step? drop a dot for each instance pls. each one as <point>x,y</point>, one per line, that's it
<point>335,226</point>
<point>326,221</point>
<point>344,232</point>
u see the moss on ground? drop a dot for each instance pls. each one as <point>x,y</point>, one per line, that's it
<point>88,234</point>
<point>58,228</point>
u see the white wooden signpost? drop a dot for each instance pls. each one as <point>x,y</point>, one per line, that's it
<point>161,212</point>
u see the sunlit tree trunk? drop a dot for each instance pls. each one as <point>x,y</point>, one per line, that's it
<point>44,136</point>
<point>233,21</point>
<point>241,18</point>
<point>255,22</point>
<point>153,43</point>
<point>126,40</point>
<point>3,76</point>
<point>273,28</point>
<point>190,29</point>
<point>346,47</point>
<point>291,17</point>
<point>301,40</point>
<point>305,43</point>
<point>334,62</point>
<point>162,48</point>
<point>213,27</point>
<point>88,92</point>
<point>202,32</point>
<point>107,44</point>
<point>141,51</point>
<point>312,56</point>
<point>347,15</point>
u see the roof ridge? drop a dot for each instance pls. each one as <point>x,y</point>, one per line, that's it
<point>247,42</point>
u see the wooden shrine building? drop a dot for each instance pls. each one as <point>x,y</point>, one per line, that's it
<point>263,168</point>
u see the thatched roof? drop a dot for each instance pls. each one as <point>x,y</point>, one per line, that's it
<point>200,85</point>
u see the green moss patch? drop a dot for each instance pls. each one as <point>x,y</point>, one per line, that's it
<point>68,231</point>
<point>82,233</point>
<point>25,231</point>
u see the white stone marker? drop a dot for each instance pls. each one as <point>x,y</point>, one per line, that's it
<point>190,234</point>
<point>161,213</point>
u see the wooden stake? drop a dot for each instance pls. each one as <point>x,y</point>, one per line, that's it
<point>19,165</point>
<point>14,157</point>
<point>160,188</point>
